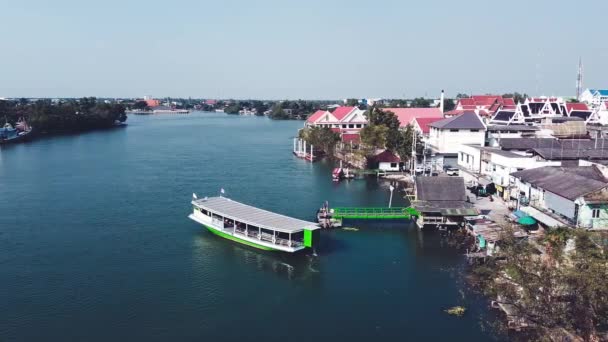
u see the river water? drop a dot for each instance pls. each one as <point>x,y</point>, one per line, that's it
<point>95,244</point>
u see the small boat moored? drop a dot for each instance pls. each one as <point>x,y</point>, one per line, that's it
<point>19,133</point>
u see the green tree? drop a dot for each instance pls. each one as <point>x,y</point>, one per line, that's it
<point>233,108</point>
<point>278,113</point>
<point>517,97</point>
<point>448,104</point>
<point>321,137</point>
<point>374,136</point>
<point>462,96</point>
<point>142,105</point>
<point>557,289</point>
<point>352,102</point>
<point>420,102</point>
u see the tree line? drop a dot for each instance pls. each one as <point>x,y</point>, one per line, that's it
<point>46,116</point>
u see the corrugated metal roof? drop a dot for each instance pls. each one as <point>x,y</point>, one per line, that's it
<point>441,188</point>
<point>251,215</point>
<point>567,182</point>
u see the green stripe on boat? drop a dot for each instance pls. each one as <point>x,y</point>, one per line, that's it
<point>236,239</point>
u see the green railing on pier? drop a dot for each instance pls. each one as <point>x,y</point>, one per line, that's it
<point>375,213</point>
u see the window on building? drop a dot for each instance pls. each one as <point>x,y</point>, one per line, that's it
<point>474,130</point>
<point>462,157</point>
<point>453,130</point>
<point>358,125</point>
<point>351,126</point>
<point>467,158</point>
<point>393,165</point>
<point>595,213</point>
<point>343,126</point>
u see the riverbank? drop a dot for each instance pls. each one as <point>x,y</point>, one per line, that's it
<point>47,117</point>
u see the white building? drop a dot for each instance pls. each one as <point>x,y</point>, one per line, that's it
<point>342,119</point>
<point>446,136</point>
<point>484,165</point>
<point>594,97</point>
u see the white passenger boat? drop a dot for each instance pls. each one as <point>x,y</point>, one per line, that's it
<point>253,226</point>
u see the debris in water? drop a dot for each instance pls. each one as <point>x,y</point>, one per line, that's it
<point>456,311</point>
<point>351,229</point>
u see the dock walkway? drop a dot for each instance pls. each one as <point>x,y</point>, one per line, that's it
<point>375,213</point>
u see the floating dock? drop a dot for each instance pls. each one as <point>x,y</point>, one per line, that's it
<point>253,226</point>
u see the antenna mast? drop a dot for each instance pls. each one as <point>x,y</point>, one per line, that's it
<point>579,79</point>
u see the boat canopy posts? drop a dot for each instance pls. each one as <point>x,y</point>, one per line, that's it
<point>255,226</point>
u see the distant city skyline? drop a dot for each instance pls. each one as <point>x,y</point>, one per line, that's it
<point>271,49</point>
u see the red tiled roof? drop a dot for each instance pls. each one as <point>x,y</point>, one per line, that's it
<point>341,112</point>
<point>211,102</point>
<point>351,137</point>
<point>407,115</point>
<point>315,116</point>
<point>467,102</point>
<point>423,123</point>
<point>576,106</point>
<point>485,100</point>
<point>508,101</point>
<point>386,157</point>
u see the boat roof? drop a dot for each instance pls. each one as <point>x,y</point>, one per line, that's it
<point>252,215</point>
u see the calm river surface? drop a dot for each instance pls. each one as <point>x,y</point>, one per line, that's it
<point>95,244</point>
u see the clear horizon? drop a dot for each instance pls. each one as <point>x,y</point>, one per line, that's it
<point>314,50</point>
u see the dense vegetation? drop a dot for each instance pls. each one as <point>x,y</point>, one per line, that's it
<point>321,137</point>
<point>553,286</point>
<point>383,132</point>
<point>64,116</point>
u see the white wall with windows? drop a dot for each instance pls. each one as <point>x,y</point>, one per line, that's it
<point>448,141</point>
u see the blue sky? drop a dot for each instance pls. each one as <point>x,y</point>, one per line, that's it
<point>309,49</point>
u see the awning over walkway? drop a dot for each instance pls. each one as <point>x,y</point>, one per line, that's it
<point>542,217</point>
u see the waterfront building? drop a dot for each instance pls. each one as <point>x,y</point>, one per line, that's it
<point>386,161</point>
<point>151,102</point>
<point>482,105</point>
<point>563,196</point>
<point>441,201</point>
<point>446,136</point>
<point>340,120</point>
